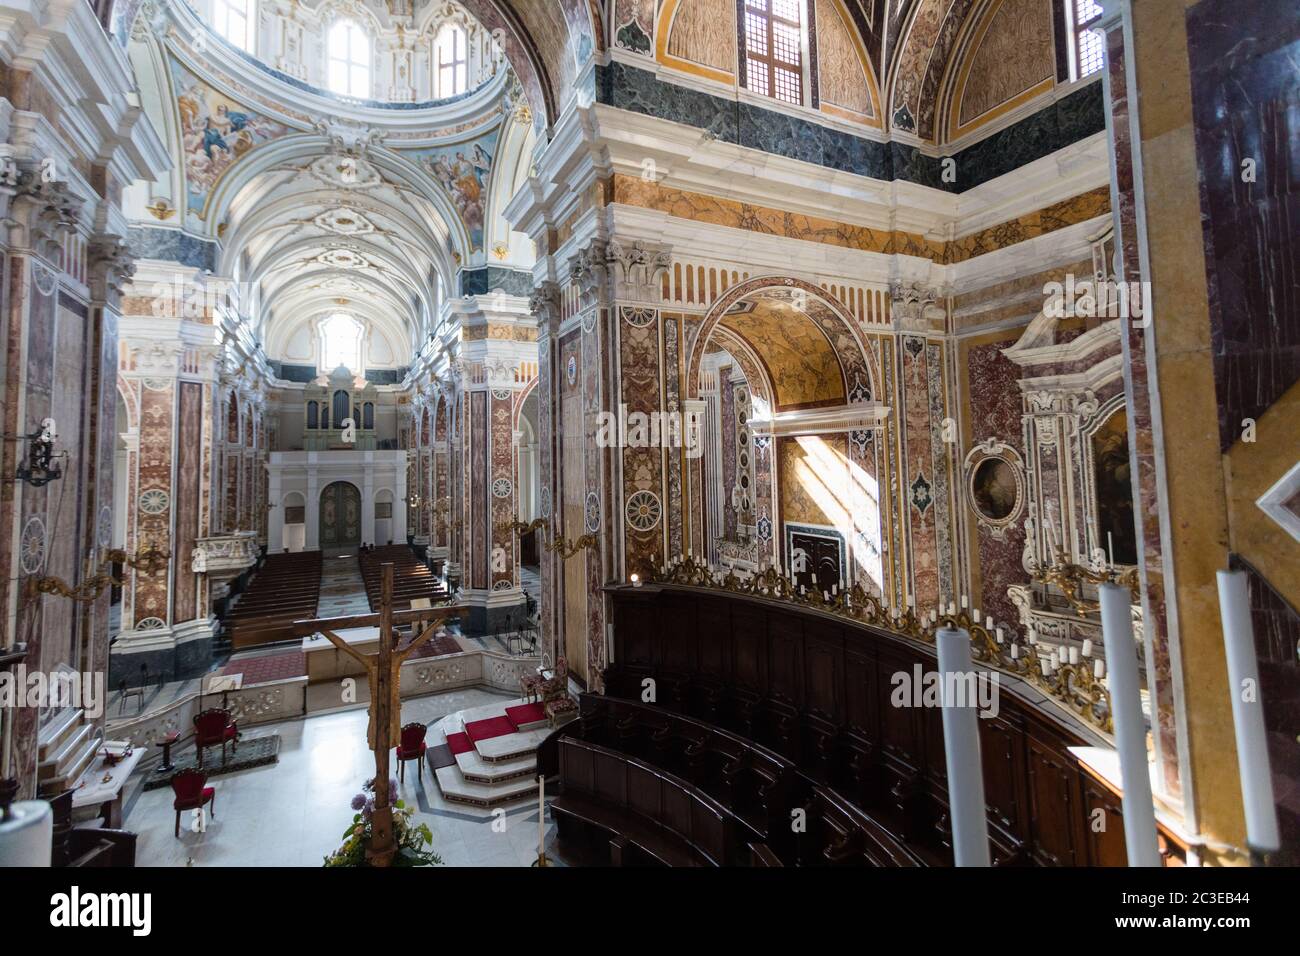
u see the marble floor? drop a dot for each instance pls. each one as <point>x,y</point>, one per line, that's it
<point>294,812</point>
<point>342,591</point>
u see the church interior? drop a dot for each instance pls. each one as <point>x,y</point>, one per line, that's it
<point>633,433</point>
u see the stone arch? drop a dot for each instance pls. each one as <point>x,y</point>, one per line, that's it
<point>825,311</point>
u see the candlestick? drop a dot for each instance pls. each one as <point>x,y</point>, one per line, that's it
<point>1130,726</point>
<point>961,751</point>
<point>1110,549</point>
<point>1247,714</point>
<point>541,821</point>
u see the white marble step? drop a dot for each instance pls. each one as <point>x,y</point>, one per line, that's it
<point>456,789</point>
<point>477,770</point>
<point>509,747</point>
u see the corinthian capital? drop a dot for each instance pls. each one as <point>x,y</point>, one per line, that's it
<point>545,304</point>
<point>111,266</point>
<point>589,271</point>
<point>915,307</point>
<point>636,269</point>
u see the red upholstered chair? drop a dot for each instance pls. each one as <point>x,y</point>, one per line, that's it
<point>411,747</point>
<point>191,794</point>
<point>214,727</point>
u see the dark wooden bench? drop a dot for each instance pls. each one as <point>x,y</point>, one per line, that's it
<point>665,818</point>
<point>759,790</point>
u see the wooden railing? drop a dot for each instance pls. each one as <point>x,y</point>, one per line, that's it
<point>822,693</point>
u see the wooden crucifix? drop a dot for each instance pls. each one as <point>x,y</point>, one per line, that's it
<point>383,670</point>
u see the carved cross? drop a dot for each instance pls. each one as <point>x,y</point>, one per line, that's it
<point>383,670</point>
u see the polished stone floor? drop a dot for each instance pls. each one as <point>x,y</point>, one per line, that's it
<point>294,812</point>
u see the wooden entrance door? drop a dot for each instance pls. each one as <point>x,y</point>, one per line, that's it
<point>340,515</point>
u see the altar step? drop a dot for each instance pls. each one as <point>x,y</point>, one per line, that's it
<point>66,745</point>
<point>456,789</point>
<point>495,749</point>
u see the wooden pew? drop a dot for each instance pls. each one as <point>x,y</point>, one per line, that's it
<point>286,588</point>
<point>757,789</point>
<point>647,814</point>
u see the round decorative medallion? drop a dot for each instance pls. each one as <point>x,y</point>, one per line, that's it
<point>571,369</point>
<point>589,321</point>
<point>643,511</point>
<point>150,623</point>
<point>45,279</point>
<point>32,547</point>
<point>156,384</point>
<point>154,501</point>
<point>502,487</point>
<point>546,502</point>
<point>502,585</point>
<point>638,318</point>
<point>500,394</point>
<point>104,527</point>
<point>592,512</point>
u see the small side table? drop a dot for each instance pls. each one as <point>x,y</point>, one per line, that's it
<point>166,744</point>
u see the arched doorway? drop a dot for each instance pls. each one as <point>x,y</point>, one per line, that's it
<point>340,516</point>
<point>789,464</point>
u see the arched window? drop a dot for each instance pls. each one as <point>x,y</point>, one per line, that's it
<point>313,415</point>
<point>348,60</point>
<point>453,61</point>
<point>233,20</point>
<point>1086,56</point>
<point>341,343</point>
<point>342,408</point>
<point>774,49</point>
<point>369,413</point>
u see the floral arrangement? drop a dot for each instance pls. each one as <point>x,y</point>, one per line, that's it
<point>411,839</point>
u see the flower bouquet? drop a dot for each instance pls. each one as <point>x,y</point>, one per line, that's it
<point>411,838</point>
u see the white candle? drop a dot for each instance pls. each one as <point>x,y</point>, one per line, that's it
<point>961,752</point>
<point>988,622</point>
<point>998,634</point>
<point>1074,655</point>
<point>541,816</point>
<point>1099,668</point>
<point>1087,647</point>
<point>1130,726</point>
<point>1015,652</point>
<point>1247,713</point>
<point>1033,634</point>
<point>963,602</point>
<point>1110,549</point>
